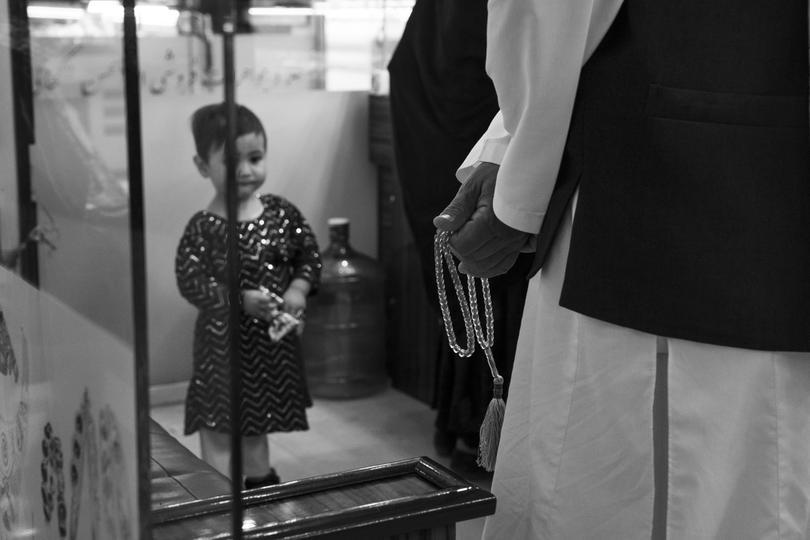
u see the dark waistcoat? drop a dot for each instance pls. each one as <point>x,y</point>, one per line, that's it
<point>689,145</point>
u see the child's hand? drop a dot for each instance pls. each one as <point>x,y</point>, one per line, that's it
<point>257,304</point>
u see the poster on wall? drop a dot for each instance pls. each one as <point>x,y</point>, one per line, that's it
<point>68,437</point>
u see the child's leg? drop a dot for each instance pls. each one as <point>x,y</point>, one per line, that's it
<point>256,461</point>
<point>215,449</point>
<point>255,456</point>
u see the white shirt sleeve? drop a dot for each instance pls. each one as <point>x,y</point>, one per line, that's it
<point>490,147</point>
<point>535,52</point>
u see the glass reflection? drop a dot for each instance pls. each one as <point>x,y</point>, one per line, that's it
<point>67,377</point>
<point>79,173</point>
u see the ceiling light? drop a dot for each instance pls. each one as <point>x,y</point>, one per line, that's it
<point>55,12</point>
<point>146,14</point>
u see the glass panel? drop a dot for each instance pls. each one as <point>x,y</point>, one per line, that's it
<point>353,41</point>
<point>9,208</point>
<point>67,375</point>
<point>317,158</point>
<point>182,71</point>
<point>306,72</point>
<point>79,171</point>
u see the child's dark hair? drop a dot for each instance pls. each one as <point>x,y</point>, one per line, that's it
<point>210,131</point>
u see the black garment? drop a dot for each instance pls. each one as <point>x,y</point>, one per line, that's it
<point>275,248</point>
<point>441,102</point>
<point>690,143</point>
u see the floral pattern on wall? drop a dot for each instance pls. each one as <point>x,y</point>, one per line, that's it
<point>14,387</point>
<point>96,468</point>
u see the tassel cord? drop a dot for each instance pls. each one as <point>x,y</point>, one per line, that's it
<point>490,432</point>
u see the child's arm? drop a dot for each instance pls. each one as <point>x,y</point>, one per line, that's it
<point>305,257</point>
<point>305,261</point>
<point>295,297</point>
<point>195,277</point>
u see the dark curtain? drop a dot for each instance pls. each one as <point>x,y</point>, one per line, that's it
<point>441,103</point>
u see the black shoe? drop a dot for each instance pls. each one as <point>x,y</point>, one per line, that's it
<point>270,479</point>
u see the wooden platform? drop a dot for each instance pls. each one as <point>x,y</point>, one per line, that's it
<point>414,498</point>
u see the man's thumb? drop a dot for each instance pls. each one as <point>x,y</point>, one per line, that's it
<point>457,212</point>
<point>446,222</point>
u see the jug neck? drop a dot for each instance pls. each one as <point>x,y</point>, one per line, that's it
<point>339,238</point>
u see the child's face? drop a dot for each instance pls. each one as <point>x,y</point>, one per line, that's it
<point>250,169</point>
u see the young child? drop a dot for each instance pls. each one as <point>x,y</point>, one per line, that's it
<point>280,266</point>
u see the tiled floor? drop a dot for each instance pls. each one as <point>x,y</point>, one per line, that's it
<point>347,434</point>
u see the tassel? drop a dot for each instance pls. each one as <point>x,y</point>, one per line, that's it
<point>490,434</point>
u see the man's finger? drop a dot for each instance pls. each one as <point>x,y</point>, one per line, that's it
<point>471,237</point>
<point>475,240</point>
<point>491,267</point>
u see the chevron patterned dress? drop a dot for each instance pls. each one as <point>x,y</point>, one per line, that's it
<point>276,247</point>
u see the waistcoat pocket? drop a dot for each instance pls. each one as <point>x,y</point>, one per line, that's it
<point>726,108</point>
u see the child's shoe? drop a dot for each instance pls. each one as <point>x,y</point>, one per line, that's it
<point>270,479</point>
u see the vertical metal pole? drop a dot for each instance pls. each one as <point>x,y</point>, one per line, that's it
<point>234,268</point>
<point>23,99</point>
<point>138,260</point>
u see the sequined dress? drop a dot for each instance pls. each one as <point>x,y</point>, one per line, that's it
<point>276,247</point>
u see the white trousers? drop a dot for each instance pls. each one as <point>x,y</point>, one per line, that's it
<point>576,455</point>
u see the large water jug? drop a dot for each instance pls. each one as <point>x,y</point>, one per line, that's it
<point>343,343</point>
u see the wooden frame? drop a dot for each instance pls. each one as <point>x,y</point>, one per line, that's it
<point>446,500</point>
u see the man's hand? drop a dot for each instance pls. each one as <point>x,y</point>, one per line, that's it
<point>486,246</point>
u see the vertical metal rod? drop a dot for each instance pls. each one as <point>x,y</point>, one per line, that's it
<point>138,260</point>
<point>23,99</point>
<point>234,268</point>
